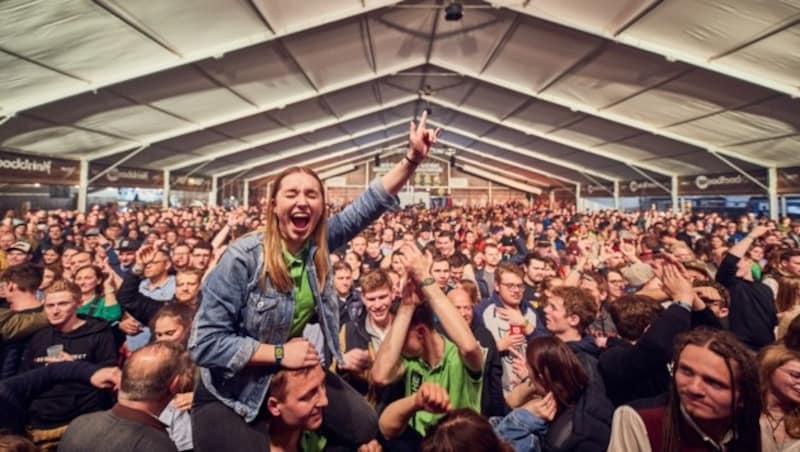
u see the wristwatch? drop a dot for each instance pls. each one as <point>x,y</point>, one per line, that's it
<point>427,281</point>
<point>278,354</point>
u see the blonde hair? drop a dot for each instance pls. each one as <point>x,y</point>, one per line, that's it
<point>769,360</point>
<point>274,265</point>
<point>62,285</point>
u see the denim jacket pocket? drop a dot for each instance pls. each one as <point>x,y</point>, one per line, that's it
<point>264,315</point>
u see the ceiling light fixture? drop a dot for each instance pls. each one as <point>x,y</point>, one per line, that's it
<point>454,11</point>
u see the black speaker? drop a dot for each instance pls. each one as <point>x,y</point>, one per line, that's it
<point>453,160</point>
<point>377,160</point>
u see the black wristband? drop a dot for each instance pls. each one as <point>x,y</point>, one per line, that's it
<point>411,161</point>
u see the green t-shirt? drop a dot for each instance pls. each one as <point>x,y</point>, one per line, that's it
<point>303,296</point>
<point>311,441</point>
<point>451,373</point>
<point>97,308</point>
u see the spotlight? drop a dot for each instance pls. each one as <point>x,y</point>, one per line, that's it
<point>454,11</point>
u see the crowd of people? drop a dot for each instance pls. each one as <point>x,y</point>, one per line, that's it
<point>298,325</point>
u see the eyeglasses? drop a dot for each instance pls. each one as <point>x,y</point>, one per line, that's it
<point>512,286</point>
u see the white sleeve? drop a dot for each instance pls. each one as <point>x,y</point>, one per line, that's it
<point>628,432</point>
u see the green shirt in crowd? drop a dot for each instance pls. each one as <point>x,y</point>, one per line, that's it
<point>303,296</point>
<point>451,373</point>
<point>311,441</point>
<point>97,308</point>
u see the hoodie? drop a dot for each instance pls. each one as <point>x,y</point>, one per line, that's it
<point>92,342</point>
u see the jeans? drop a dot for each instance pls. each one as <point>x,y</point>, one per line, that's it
<point>348,421</point>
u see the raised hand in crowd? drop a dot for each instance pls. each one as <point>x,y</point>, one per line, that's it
<point>510,341</point>
<point>545,407</point>
<point>356,360</point>
<point>433,398</point>
<point>421,139</point>
<point>417,264</point>
<point>299,353</point>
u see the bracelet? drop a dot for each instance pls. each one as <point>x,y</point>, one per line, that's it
<point>411,161</point>
<point>279,353</point>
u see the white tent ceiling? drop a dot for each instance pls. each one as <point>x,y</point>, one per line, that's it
<point>567,89</point>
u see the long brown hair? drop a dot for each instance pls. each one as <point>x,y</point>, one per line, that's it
<point>745,400</point>
<point>769,360</point>
<point>556,367</point>
<point>463,430</point>
<point>274,265</point>
<point>788,293</point>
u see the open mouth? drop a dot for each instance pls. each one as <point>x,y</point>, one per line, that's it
<point>301,220</point>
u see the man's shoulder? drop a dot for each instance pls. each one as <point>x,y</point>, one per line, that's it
<point>86,429</point>
<point>88,423</point>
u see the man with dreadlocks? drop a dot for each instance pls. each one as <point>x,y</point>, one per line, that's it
<point>714,402</point>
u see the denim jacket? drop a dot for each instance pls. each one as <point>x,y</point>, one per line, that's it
<point>236,315</point>
<point>522,429</point>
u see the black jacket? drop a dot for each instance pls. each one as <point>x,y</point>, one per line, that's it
<point>483,288</point>
<point>584,427</point>
<point>18,391</point>
<point>92,342</point>
<point>753,315</point>
<point>493,403</point>
<point>638,371</point>
<point>140,306</point>
<point>588,352</point>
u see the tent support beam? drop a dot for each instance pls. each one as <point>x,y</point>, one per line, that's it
<point>166,192</point>
<point>772,192</point>
<point>651,179</point>
<point>739,170</point>
<point>616,195</point>
<point>595,181</point>
<point>675,201</point>
<point>83,185</point>
<point>194,170</point>
<point>118,162</point>
<point>212,195</point>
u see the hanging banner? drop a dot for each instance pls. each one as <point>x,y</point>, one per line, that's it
<point>30,169</point>
<point>721,184</point>
<point>191,183</point>
<point>126,177</point>
<point>597,191</point>
<point>789,180</point>
<point>638,188</point>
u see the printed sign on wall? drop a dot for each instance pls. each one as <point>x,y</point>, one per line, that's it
<point>721,184</point>
<point>29,169</point>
